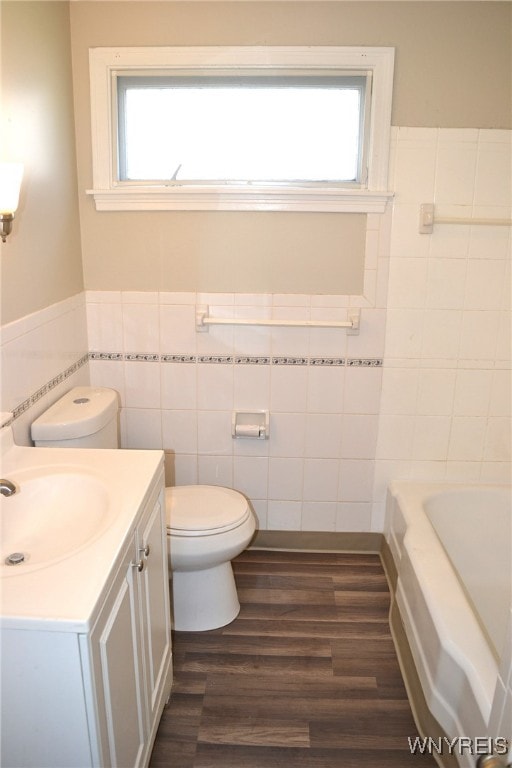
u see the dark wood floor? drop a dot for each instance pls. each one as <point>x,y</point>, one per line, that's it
<point>305,677</point>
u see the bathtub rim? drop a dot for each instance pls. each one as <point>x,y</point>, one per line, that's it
<point>416,540</point>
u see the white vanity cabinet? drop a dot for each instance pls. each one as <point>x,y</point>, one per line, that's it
<point>129,648</point>
<point>94,699</point>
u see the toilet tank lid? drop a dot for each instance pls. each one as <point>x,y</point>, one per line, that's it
<point>80,412</point>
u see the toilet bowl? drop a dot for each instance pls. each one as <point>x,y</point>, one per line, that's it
<point>207,526</point>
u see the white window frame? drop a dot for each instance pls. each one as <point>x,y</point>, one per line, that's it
<point>112,195</point>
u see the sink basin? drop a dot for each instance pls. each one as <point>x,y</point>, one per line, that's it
<point>53,513</point>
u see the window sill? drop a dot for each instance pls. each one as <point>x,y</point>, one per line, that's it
<point>238,198</point>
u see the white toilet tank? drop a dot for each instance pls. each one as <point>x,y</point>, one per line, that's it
<point>85,417</point>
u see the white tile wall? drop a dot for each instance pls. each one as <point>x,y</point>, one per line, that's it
<point>42,356</point>
<point>445,406</point>
<point>324,417</point>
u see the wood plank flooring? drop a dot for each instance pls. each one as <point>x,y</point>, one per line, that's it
<point>305,677</point>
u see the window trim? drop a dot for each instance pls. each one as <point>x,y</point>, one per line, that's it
<point>111,195</point>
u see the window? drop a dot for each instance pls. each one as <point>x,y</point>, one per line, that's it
<point>241,128</point>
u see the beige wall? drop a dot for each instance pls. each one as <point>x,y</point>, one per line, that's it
<point>223,251</point>
<point>452,69</point>
<point>453,59</point>
<point>41,261</point>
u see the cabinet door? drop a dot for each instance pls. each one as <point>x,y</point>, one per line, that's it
<point>119,658</point>
<point>156,618</point>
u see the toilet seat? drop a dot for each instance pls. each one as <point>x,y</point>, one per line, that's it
<point>202,510</point>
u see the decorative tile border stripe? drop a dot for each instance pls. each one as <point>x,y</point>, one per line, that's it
<point>369,362</point>
<point>248,360</point>
<point>328,361</point>
<point>290,361</point>
<point>106,356</point>
<point>141,358</point>
<point>222,359</point>
<point>42,391</point>
<point>372,362</point>
<point>178,358</point>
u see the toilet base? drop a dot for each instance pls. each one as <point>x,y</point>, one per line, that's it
<point>204,599</point>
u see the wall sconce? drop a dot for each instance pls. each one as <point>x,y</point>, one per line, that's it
<point>10,183</point>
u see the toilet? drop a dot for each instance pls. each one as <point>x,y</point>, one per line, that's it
<point>207,526</point>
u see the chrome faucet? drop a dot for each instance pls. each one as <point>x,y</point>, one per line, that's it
<point>7,488</point>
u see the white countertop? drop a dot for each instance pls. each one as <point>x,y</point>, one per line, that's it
<point>65,595</point>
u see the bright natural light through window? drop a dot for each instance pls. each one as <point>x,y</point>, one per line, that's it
<point>241,132</point>
<point>241,128</point>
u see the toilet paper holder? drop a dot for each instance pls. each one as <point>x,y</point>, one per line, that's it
<point>248,424</point>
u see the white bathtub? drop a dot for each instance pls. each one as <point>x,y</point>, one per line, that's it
<point>451,546</point>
